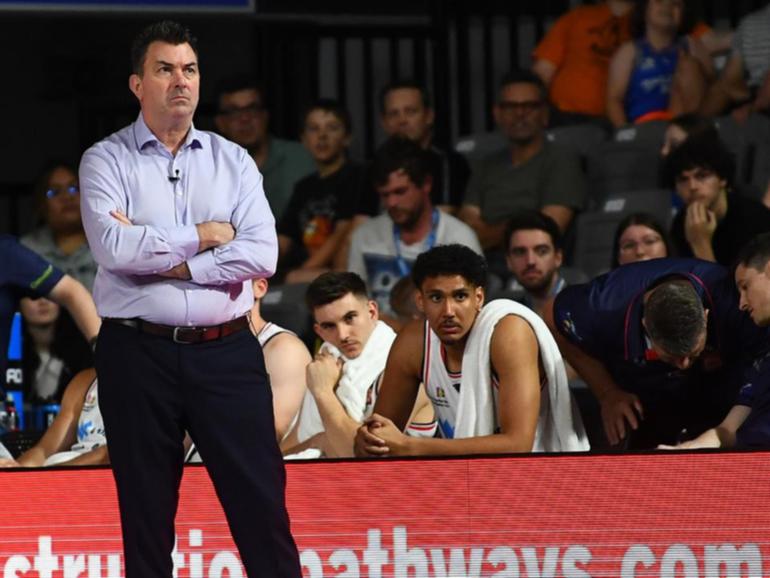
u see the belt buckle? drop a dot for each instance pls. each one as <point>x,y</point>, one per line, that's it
<point>175,336</point>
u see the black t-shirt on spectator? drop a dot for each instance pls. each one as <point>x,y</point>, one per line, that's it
<point>745,219</point>
<point>450,173</point>
<point>318,203</point>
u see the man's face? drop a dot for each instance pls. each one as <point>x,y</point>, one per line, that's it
<point>533,259</point>
<point>754,290</point>
<point>406,115</point>
<point>62,204</point>
<point>521,112</point>
<point>700,185</point>
<point>404,201</point>
<point>325,136</point>
<point>169,85</point>
<point>681,361</point>
<point>242,117</point>
<point>450,304</point>
<point>346,323</point>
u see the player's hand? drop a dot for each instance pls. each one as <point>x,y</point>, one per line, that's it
<point>214,234</point>
<point>368,444</point>
<point>9,463</point>
<point>620,410</point>
<point>699,225</point>
<point>393,438</point>
<point>323,373</point>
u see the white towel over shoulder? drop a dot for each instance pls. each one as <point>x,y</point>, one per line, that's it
<point>357,375</point>
<point>559,428</point>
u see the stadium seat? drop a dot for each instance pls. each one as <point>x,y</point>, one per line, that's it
<point>284,305</point>
<point>620,166</point>
<point>593,241</point>
<point>656,202</point>
<point>476,146</point>
<point>581,138</point>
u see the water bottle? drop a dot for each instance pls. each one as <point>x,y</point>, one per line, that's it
<point>11,415</point>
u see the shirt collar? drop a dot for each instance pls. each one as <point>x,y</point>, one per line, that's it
<point>145,137</point>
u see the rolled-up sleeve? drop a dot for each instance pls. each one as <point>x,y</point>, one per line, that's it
<point>135,249</point>
<point>254,250</point>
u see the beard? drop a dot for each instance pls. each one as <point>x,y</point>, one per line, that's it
<point>539,286</point>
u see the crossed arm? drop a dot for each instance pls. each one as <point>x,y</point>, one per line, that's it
<point>207,253</point>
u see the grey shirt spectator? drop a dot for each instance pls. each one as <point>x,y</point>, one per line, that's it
<point>552,177</point>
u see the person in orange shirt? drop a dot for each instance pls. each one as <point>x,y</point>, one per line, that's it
<point>574,57</point>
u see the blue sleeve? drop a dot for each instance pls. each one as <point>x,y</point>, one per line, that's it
<point>27,270</point>
<point>574,318</point>
<point>756,382</point>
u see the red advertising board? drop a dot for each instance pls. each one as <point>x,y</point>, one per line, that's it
<point>621,516</point>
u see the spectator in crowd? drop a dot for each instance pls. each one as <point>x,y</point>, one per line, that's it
<point>383,248</point>
<point>285,360</point>
<point>403,303</point>
<point>715,222</point>
<point>745,79</point>
<point>660,343</point>
<point>498,362</point>
<point>534,258</point>
<point>60,239</point>
<point>662,72</point>
<point>51,355</point>
<point>26,274</point>
<point>530,174</point>
<point>682,127</point>
<point>314,227</point>
<point>76,436</point>
<point>344,377</point>
<point>574,57</point>
<point>406,110</point>
<point>243,118</point>
<point>747,425</point>
<point>639,237</point>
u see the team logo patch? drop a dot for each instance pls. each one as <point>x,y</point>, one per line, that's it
<point>568,325</point>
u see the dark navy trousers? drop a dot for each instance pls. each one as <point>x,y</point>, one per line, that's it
<point>152,390</point>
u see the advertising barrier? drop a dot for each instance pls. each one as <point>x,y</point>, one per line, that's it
<point>692,515</point>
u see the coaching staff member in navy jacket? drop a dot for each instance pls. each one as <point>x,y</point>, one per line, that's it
<point>662,345</point>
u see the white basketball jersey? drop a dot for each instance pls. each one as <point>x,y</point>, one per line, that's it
<point>90,424</point>
<point>443,386</point>
<point>269,331</point>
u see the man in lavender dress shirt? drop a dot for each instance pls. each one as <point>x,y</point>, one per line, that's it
<point>178,222</point>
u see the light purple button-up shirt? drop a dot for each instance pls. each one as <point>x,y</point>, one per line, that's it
<point>217,181</point>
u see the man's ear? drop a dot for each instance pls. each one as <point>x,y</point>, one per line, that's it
<point>374,310</point>
<point>644,323</point>
<point>480,296</point>
<point>259,287</point>
<point>135,85</point>
<point>418,300</point>
<point>431,114</point>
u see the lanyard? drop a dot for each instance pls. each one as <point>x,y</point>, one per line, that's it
<point>403,268</point>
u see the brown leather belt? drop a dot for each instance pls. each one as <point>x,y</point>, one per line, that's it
<point>182,334</point>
